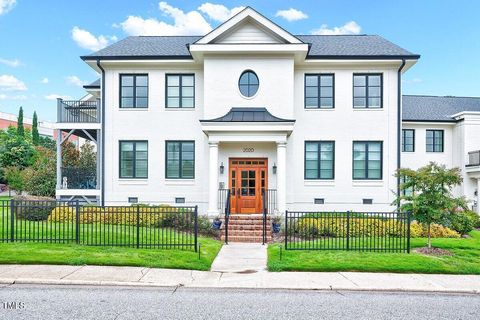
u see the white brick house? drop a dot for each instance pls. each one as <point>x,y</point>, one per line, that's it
<point>316,120</point>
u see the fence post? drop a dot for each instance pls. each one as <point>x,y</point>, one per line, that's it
<point>348,230</point>
<point>12,220</point>
<point>77,222</point>
<point>196,228</point>
<point>408,232</point>
<point>138,226</point>
<point>286,229</point>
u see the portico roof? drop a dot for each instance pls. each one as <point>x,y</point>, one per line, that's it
<point>248,115</point>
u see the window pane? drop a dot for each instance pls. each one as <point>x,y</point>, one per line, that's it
<point>311,102</point>
<point>311,164</point>
<point>326,81</point>
<point>244,90</point>
<point>374,80</point>
<point>187,102</point>
<point>359,92</point>
<point>374,174</point>
<point>374,146</point>
<point>359,102</point>
<point>187,81</point>
<point>326,174</point>
<point>374,91</point>
<point>142,81</point>
<point>309,146</point>
<point>127,91</point>
<point>127,103</point>
<point>142,103</point>
<point>311,174</point>
<point>358,174</point>
<point>127,80</point>
<point>359,81</point>
<point>326,92</point>
<point>374,102</point>
<point>252,78</point>
<point>173,91</point>
<point>142,91</point>
<point>187,92</point>
<point>244,79</point>
<point>326,102</point>
<point>173,80</point>
<point>311,81</point>
<point>311,92</point>
<point>173,102</point>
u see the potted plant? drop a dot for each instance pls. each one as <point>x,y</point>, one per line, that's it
<point>276,223</point>
<point>217,223</point>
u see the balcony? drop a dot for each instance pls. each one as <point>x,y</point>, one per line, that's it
<point>78,111</point>
<point>473,158</point>
<point>78,178</point>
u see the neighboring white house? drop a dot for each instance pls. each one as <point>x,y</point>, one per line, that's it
<point>315,121</point>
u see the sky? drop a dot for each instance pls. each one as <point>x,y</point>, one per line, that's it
<point>41,41</point>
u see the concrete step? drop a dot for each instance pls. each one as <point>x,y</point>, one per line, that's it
<point>248,239</point>
<point>251,233</point>
<point>249,217</point>
<point>246,227</point>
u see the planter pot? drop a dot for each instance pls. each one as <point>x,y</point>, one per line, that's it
<point>216,224</point>
<point>276,227</point>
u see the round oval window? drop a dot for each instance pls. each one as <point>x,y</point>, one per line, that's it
<point>248,83</point>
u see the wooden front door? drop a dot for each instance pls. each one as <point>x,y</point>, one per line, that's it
<point>247,178</point>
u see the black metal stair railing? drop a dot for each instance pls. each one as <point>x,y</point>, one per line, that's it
<point>227,215</point>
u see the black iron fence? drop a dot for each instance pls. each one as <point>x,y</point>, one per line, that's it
<point>78,111</point>
<point>355,231</point>
<point>126,226</point>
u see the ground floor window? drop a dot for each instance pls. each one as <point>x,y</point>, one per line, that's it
<point>133,159</point>
<point>319,159</point>
<point>367,160</point>
<point>180,159</point>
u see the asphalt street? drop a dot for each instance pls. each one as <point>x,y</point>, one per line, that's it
<point>83,302</point>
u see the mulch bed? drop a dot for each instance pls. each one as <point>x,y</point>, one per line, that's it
<point>433,251</point>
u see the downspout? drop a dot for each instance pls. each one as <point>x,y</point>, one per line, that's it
<point>102,191</point>
<point>399,125</point>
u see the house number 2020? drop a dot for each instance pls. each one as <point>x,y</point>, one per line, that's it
<point>248,150</point>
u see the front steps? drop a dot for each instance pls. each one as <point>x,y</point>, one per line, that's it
<point>246,228</point>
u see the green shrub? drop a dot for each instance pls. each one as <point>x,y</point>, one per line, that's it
<point>33,208</point>
<point>205,227</point>
<point>418,230</point>
<point>463,222</point>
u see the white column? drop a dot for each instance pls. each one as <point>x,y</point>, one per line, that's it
<point>282,176</point>
<point>478,195</point>
<point>213,179</point>
<point>59,159</point>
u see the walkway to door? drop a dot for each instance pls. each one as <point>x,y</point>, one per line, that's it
<point>241,258</point>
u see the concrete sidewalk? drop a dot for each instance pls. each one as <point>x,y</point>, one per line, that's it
<point>135,276</point>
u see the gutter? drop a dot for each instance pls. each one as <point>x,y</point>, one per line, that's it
<point>102,85</point>
<point>399,125</point>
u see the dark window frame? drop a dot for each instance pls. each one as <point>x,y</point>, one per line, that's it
<point>435,131</point>
<point>134,97</point>
<point>134,159</point>
<point>366,142</point>
<point>180,168</point>
<point>403,140</point>
<point>367,75</point>
<point>248,85</point>
<point>180,97</point>
<point>319,97</point>
<point>318,142</point>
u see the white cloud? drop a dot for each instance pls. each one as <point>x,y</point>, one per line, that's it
<point>44,80</point>
<point>348,28</point>
<point>10,83</point>
<point>11,63</point>
<point>74,80</point>
<point>55,96</point>
<point>7,5</point>
<point>183,23</point>
<point>219,12</point>
<point>291,14</point>
<point>86,40</point>
<point>16,97</point>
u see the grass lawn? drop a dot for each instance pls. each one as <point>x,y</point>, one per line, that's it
<point>71,254</point>
<point>465,259</point>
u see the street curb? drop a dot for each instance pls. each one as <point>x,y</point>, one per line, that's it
<point>27,281</point>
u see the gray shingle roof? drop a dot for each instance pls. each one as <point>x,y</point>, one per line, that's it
<point>95,84</point>
<point>248,115</point>
<point>434,108</point>
<point>320,47</point>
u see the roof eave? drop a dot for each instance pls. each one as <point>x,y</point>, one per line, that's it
<point>363,57</point>
<point>141,57</point>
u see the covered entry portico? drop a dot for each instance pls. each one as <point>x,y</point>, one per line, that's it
<point>260,140</point>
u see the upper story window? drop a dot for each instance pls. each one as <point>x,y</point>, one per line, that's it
<point>133,91</point>
<point>319,91</point>
<point>434,140</point>
<point>180,156</point>
<point>133,159</point>
<point>367,160</point>
<point>248,83</point>
<point>180,91</point>
<point>319,159</point>
<point>408,140</point>
<point>367,90</point>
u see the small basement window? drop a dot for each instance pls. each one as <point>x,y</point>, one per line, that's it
<point>179,200</point>
<point>132,200</point>
<point>367,201</point>
<point>319,201</point>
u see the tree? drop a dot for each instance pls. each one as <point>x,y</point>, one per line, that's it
<point>70,154</point>
<point>14,177</point>
<point>35,134</point>
<point>430,198</point>
<point>15,150</point>
<point>20,129</point>
<point>40,178</point>
<point>87,159</point>
<point>47,143</point>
